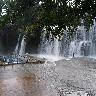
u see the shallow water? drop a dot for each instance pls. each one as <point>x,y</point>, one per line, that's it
<point>20,80</point>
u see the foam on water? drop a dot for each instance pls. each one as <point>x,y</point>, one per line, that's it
<point>48,57</point>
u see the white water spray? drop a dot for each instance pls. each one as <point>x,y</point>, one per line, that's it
<point>22,47</point>
<point>49,46</point>
<point>17,46</point>
<point>83,44</point>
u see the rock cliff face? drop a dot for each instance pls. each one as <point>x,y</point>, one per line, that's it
<point>8,38</point>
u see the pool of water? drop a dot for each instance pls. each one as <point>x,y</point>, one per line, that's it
<point>20,81</point>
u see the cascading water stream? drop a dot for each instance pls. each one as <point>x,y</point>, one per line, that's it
<point>19,50</point>
<point>22,47</point>
<point>17,46</point>
<point>49,48</point>
<point>72,48</point>
<point>56,47</point>
<point>84,44</point>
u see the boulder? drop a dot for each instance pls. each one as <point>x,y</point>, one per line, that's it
<point>32,59</point>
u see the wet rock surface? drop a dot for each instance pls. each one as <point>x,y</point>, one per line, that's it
<point>71,77</point>
<point>26,58</point>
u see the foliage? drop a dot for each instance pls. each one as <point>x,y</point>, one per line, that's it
<point>54,15</point>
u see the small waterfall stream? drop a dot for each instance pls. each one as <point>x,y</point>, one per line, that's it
<point>17,46</point>
<point>84,44</point>
<point>56,50</point>
<point>22,47</point>
<point>19,50</point>
<point>49,46</point>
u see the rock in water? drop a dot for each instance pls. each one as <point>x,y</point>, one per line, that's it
<point>32,59</point>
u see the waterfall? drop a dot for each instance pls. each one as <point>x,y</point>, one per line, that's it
<point>19,50</point>
<point>56,50</point>
<point>49,46</point>
<point>72,47</point>
<point>22,47</point>
<point>17,46</point>
<point>83,43</point>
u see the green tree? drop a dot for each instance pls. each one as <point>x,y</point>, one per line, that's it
<point>54,15</point>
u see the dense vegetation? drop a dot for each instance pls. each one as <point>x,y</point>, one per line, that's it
<point>30,16</point>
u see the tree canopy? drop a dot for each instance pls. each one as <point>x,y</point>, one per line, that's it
<point>54,15</point>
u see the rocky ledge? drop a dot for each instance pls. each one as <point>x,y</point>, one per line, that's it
<point>26,58</point>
